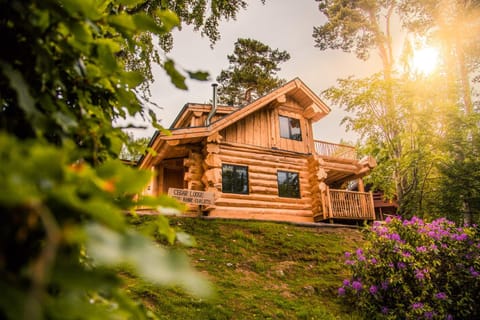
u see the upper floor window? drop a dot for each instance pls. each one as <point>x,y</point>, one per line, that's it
<point>288,184</point>
<point>290,128</point>
<point>234,179</point>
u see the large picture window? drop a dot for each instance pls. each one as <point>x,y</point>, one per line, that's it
<point>234,179</point>
<point>288,184</point>
<point>290,128</point>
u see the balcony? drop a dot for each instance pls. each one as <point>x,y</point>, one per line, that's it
<point>343,204</point>
<point>334,150</point>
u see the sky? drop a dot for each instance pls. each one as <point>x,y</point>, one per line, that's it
<point>283,24</point>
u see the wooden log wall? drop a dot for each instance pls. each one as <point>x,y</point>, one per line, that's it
<point>263,201</point>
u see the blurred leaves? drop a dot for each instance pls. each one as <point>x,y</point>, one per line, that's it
<point>64,80</point>
<point>151,262</point>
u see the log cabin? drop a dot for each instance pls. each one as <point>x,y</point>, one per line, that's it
<point>260,161</point>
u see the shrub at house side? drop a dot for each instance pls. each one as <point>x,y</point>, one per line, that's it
<point>411,269</point>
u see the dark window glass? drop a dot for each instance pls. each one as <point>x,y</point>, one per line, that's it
<point>290,128</point>
<point>288,184</point>
<point>234,179</point>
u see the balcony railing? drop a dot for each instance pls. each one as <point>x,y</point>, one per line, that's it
<point>335,150</point>
<point>343,204</point>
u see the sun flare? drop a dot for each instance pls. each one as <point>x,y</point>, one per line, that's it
<point>425,60</point>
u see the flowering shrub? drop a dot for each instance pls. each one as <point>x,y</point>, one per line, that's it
<point>411,269</point>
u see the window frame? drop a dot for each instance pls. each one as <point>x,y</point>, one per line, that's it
<point>232,187</point>
<point>297,193</point>
<point>291,135</point>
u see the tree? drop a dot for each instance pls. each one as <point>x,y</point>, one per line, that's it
<point>204,16</point>
<point>63,228</point>
<point>251,73</point>
<point>362,26</point>
<point>454,27</point>
<point>401,119</point>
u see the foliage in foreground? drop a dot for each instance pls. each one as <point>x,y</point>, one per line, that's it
<point>63,82</point>
<point>411,269</point>
<point>260,270</point>
<point>62,229</point>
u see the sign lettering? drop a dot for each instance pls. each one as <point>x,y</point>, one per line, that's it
<point>192,196</point>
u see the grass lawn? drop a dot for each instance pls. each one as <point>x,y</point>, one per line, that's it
<point>259,270</point>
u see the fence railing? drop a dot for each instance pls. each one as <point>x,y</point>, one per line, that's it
<point>343,204</point>
<point>335,150</point>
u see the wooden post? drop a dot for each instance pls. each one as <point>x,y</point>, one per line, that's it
<point>372,205</point>
<point>361,186</point>
<point>329,199</point>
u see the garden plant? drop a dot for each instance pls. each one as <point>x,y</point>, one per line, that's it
<point>413,269</point>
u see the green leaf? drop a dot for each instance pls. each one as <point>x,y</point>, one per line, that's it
<point>145,22</point>
<point>154,263</point>
<point>176,77</point>
<point>67,122</point>
<point>132,78</point>
<point>106,58</point>
<point>85,8</point>
<point>169,19</point>
<point>199,75</point>
<point>186,239</point>
<point>18,83</point>
<point>123,21</point>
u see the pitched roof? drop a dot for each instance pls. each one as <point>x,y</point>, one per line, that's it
<point>314,109</point>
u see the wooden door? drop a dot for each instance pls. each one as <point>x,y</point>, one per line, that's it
<point>173,178</point>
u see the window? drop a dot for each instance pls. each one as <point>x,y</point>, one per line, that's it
<point>234,179</point>
<point>288,184</point>
<point>290,128</point>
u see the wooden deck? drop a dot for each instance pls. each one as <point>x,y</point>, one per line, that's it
<point>335,150</point>
<point>351,205</point>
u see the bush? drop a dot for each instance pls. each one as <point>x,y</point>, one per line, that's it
<point>411,269</point>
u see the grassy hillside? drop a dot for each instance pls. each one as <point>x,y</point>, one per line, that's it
<point>260,270</point>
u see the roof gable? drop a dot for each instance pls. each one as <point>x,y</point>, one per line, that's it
<point>314,110</point>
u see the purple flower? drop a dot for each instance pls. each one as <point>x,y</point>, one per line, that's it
<point>357,285</point>
<point>421,249</point>
<point>394,237</point>
<point>373,289</point>
<point>428,315</point>
<point>441,296</point>
<point>347,254</point>
<point>449,317</point>
<point>417,305</point>
<point>341,291</point>
<point>359,252</point>
<point>419,274</point>
<point>373,261</point>
<point>384,285</point>
<point>384,310</point>
<point>460,237</point>
<point>346,282</point>
<point>349,262</point>
<point>401,265</point>
<point>474,272</point>
<point>406,254</point>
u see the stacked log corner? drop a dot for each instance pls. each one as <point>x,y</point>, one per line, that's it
<point>315,178</point>
<point>212,174</point>
<point>193,175</point>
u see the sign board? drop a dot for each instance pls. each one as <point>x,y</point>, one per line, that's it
<point>192,196</point>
